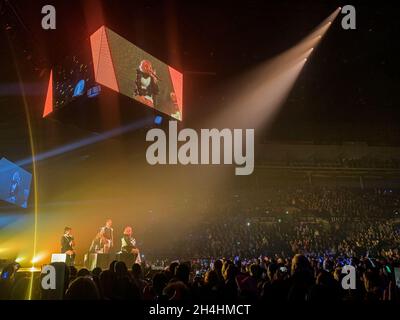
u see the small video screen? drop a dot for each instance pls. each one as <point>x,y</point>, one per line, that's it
<point>129,70</point>
<point>15,183</point>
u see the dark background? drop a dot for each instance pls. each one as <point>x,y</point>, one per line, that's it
<point>347,91</point>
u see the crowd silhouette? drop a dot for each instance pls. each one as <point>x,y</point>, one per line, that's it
<point>292,249</point>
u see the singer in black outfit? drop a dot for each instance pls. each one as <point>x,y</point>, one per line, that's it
<point>67,246</point>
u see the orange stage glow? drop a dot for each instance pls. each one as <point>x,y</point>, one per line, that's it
<point>177,83</point>
<point>102,61</point>
<point>48,106</point>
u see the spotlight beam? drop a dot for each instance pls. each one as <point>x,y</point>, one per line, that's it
<point>260,93</point>
<point>87,141</point>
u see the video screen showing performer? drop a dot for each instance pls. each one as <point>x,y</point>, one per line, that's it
<point>135,73</point>
<point>68,246</point>
<point>128,244</point>
<point>15,183</point>
<point>146,85</point>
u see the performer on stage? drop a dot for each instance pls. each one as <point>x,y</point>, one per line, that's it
<point>98,243</point>
<point>108,236</point>
<point>67,246</point>
<point>129,244</point>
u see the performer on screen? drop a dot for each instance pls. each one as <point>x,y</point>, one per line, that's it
<point>14,187</point>
<point>67,246</point>
<point>146,84</point>
<point>128,244</point>
<point>108,235</point>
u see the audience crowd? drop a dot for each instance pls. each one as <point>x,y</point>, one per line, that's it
<point>292,249</point>
<point>265,279</point>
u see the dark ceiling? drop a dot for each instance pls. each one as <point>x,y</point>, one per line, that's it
<point>347,91</point>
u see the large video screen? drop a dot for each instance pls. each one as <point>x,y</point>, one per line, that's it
<point>15,183</point>
<point>71,80</point>
<point>127,69</point>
